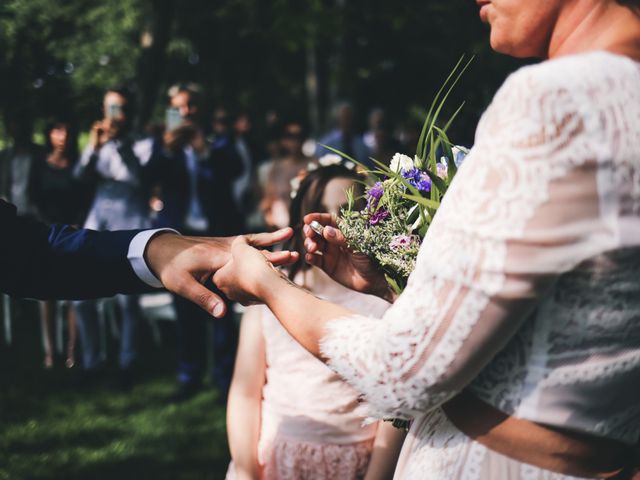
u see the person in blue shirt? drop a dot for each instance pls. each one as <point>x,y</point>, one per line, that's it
<point>196,198</point>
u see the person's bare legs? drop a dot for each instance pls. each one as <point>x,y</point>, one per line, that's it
<point>47,321</point>
<point>71,342</point>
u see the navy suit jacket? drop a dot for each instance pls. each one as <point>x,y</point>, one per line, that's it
<point>215,175</point>
<point>62,262</point>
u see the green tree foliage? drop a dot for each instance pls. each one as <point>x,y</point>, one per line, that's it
<point>57,57</point>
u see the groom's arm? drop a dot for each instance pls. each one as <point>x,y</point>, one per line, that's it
<point>61,262</point>
<point>38,261</point>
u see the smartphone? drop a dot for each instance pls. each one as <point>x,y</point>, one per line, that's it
<point>173,118</point>
<point>114,110</point>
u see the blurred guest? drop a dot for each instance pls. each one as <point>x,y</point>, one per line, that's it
<point>377,117</point>
<point>197,174</point>
<point>275,176</point>
<point>408,135</point>
<point>384,143</point>
<point>229,168</point>
<point>15,166</point>
<point>58,198</point>
<point>248,154</point>
<point>15,171</point>
<point>196,199</point>
<point>272,131</point>
<point>344,137</point>
<point>121,169</point>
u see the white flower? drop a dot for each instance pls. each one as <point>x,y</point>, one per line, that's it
<point>330,159</point>
<point>459,149</point>
<point>459,152</point>
<point>401,162</point>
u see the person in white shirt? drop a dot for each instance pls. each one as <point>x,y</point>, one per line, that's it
<point>117,166</point>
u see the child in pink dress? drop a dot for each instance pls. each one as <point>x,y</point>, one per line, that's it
<point>289,416</point>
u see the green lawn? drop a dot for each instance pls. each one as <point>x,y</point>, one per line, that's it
<point>51,430</point>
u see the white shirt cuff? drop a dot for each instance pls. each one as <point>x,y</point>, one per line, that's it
<point>136,256</point>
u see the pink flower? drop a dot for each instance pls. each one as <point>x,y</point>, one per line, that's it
<point>442,170</point>
<point>401,241</point>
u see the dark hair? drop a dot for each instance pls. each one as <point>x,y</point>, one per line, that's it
<point>71,147</point>
<point>309,200</point>
<point>293,121</point>
<point>129,95</point>
<point>224,116</point>
<point>185,87</point>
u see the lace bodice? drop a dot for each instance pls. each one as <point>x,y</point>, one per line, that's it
<point>527,285</point>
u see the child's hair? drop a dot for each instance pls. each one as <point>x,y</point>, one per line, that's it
<point>309,200</point>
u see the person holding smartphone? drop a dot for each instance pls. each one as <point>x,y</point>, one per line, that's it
<point>120,167</point>
<point>195,195</point>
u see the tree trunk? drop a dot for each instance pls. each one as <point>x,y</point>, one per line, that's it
<point>313,93</point>
<point>154,39</point>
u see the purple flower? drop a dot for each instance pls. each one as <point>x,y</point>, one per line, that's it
<point>378,216</point>
<point>424,184</point>
<point>376,191</point>
<point>418,179</point>
<point>374,194</point>
<point>400,241</point>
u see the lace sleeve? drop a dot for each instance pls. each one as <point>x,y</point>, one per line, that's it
<point>525,207</point>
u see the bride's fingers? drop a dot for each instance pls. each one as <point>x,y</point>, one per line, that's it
<point>334,236</point>
<point>330,234</point>
<point>308,231</point>
<point>322,218</point>
<point>313,241</point>
<point>311,245</point>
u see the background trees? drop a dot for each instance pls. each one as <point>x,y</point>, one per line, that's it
<point>56,57</point>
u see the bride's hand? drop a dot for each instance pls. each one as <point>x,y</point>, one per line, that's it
<point>248,272</point>
<point>330,252</point>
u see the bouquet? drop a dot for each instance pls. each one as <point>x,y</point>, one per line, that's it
<point>404,196</point>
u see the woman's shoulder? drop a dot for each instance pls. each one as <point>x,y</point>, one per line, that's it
<point>564,96</point>
<point>583,75</point>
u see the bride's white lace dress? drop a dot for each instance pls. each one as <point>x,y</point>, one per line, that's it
<point>527,286</point>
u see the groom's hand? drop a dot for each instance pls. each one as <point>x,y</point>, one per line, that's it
<point>184,264</point>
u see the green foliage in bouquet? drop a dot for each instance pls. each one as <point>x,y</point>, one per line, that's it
<point>403,197</point>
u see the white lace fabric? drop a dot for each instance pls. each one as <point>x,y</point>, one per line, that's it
<point>527,285</point>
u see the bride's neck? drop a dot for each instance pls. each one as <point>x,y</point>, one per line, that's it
<point>585,25</point>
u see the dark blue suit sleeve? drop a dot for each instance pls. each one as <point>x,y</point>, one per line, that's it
<point>61,262</point>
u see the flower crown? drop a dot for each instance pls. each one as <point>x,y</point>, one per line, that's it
<point>328,160</point>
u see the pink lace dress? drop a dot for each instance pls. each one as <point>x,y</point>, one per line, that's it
<point>309,427</point>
